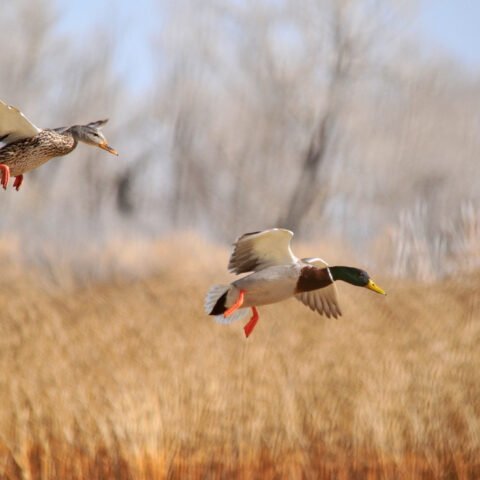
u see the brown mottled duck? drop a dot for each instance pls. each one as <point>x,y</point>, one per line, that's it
<point>27,147</point>
<point>277,275</point>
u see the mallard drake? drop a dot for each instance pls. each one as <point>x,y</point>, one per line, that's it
<point>278,275</point>
<point>27,147</point>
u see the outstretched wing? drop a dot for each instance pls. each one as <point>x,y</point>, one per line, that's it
<point>258,250</point>
<point>14,125</point>
<point>97,125</point>
<point>60,129</point>
<point>324,300</point>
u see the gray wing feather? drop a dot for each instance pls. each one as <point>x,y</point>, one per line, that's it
<point>258,250</point>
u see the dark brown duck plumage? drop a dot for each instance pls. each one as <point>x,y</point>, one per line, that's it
<point>313,278</point>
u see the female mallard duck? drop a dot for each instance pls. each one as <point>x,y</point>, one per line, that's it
<point>27,147</point>
<point>278,275</point>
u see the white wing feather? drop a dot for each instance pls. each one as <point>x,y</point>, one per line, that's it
<point>14,125</point>
<point>258,250</point>
<point>324,300</point>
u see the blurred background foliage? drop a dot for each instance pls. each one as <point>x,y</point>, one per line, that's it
<point>327,117</point>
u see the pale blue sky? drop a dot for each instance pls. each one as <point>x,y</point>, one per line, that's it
<point>449,25</point>
<point>453,25</point>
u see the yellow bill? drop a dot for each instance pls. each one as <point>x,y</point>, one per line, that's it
<point>372,286</point>
<point>105,146</point>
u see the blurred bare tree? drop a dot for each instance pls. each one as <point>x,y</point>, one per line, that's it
<point>322,115</point>
<point>338,70</point>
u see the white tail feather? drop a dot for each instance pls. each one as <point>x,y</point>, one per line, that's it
<point>211,299</point>
<point>236,315</point>
<point>212,296</point>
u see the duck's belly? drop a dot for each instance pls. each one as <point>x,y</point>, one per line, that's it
<point>271,285</point>
<point>30,153</point>
<point>24,164</point>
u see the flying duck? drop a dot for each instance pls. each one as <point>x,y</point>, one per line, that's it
<point>27,147</point>
<point>276,274</point>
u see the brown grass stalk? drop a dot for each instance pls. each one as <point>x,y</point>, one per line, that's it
<point>130,379</point>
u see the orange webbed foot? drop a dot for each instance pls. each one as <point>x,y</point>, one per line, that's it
<point>18,182</point>
<point>5,172</point>
<point>248,328</point>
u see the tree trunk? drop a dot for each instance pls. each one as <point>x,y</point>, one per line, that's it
<point>305,190</point>
<point>308,185</point>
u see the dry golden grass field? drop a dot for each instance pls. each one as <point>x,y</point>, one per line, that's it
<point>127,378</point>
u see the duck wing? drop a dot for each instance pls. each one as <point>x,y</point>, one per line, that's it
<point>60,129</point>
<point>259,250</point>
<point>14,125</point>
<point>324,300</point>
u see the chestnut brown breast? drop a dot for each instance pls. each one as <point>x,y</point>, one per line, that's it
<point>312,278</point>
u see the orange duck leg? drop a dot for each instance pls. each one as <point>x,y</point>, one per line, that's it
<point>5,173</point>
<point>248,328</point>
<point>18,182</point>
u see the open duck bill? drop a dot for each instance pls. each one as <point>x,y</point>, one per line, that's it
<point>105,146</point>
<point>372,286</point>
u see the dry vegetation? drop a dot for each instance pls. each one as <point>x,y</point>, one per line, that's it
<point>321,114</point>
<point>130,379</point>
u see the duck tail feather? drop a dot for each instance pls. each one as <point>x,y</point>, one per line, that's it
<point>236,315</point>
<point>215,299</point>
<point>215,305</point>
